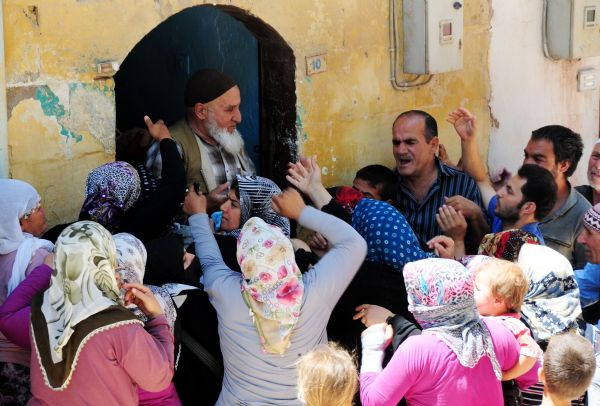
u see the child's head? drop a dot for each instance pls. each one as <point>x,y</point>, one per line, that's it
<point>327,377</point>
<point>500,287</point>
<point>376,182</point>
<point>569,365</point>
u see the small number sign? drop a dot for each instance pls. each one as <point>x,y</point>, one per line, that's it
<point>315,64</point>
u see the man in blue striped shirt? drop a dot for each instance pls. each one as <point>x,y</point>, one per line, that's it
<point>425,183</point>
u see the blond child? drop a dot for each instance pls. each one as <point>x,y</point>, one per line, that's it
<point>327,377</point>
<point>569,366</point>
<point>500,287</point>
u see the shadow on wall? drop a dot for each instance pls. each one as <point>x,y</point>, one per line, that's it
<point>152,78</point>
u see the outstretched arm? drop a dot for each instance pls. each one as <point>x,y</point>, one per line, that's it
<point>207,250</point>
<point>465,124</point>
<point>16,310</point>
<point>306,176</point>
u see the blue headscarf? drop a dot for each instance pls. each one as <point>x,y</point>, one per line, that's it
<point>390,240</point>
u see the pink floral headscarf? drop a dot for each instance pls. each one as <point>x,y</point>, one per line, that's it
<point>272,286</point>
<point>440,297</point>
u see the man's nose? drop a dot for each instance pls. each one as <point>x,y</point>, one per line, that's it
<point>237,116</point>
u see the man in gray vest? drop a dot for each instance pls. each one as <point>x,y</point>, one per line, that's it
<point>212,148</point>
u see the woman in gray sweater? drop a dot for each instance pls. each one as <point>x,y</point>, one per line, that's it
<point>265,326</point>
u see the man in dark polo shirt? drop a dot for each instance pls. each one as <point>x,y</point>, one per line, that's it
<point>425,183</point>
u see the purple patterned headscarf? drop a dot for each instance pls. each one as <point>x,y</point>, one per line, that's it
<point>440,296</point>
<point>110,190</point>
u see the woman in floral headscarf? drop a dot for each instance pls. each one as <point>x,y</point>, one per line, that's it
<point>280,313</point>
<point>22,220</point>
<point>80,319</point>
<point>458,357</point>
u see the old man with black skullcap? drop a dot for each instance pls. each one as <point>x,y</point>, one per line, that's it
<point>212,147</point>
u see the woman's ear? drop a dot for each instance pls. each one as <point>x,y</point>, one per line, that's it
<point>541,376</point>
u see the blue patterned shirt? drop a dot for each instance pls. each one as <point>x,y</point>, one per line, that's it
<point>421,216</point>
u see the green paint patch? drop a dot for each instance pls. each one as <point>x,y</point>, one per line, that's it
<point>49,101</point>
<point>52,107</point>
<point>70,134</point>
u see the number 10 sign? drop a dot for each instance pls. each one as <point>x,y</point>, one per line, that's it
<point>315,64</point>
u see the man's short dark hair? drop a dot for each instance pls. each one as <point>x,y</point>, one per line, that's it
<point>566,143</point>
<point>381,177</point>
<point>539,188</point>
<point>431,129</point>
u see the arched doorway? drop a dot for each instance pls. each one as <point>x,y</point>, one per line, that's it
<point>152,77</point>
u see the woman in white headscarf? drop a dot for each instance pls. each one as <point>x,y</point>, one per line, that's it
<point>131,263</point>
<point>22,219</point>
<point>86,347</point>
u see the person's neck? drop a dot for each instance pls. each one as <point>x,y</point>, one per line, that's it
<point>595,197</point>
<point>551,400</point>
<point>563,189</point>
<point>420,184</point>
<point>200,131</point>
<point>520,223</point>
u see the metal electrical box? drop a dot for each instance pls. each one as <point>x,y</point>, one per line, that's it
<point>573,28</point>
<point>433,36</point>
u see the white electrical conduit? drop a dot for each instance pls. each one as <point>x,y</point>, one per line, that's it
<point>3,109</point>
<point>394,41</point>
<point>545,32</point>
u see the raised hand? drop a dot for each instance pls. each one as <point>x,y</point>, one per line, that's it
<point>452,222</point>
<point>142,297</point>
<point>305,174</point>
<point>464,123</point>
<point>158,130</point>
<point>289,204</point>
<point>194,203</point>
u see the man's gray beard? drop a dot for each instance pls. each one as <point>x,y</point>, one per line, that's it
<point>231,142</point>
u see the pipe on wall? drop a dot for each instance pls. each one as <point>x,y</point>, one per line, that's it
<point>4,170</point>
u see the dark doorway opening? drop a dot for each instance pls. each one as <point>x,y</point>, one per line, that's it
<point>152,78</point>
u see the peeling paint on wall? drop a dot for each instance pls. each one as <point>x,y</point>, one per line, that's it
<point>53,108</point>
<point>343,115</point>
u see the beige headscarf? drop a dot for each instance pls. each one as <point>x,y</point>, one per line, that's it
<point>82,285</point>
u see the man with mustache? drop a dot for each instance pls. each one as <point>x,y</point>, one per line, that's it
<point>212,147</point>
<point>425,184</point>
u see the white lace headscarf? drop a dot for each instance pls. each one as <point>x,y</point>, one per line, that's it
<point>131,266</point>
<point>18,198</point>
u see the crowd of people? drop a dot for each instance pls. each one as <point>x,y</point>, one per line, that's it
<point>188,279</point>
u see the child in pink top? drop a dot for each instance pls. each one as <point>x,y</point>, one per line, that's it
<point>500,287</point>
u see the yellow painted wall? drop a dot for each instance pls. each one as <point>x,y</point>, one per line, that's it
<point>61,120</point>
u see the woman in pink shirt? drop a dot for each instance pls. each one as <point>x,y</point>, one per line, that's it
<point>86,347</point>
<point>458,358</point>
